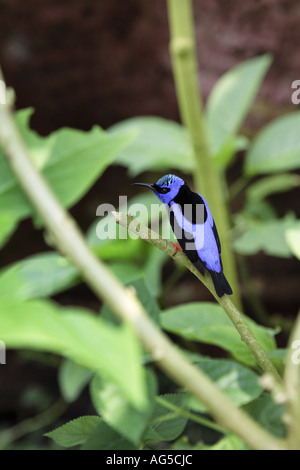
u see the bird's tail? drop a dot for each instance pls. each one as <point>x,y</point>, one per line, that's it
<point>221,284</point>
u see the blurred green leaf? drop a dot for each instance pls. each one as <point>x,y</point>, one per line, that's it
<point>146,298</point>
<point>8,223</point>
<point>80,336</point>
<point>268,236</point>
<point>183,444</point>
<point>229,442</point>
<point>238,382</point>
<point>118,412</point>
<point>143,294</point>
<point>229,103</point>
<point>74,432</point>
<point>264,187</point>
<point>153,271</point>
<point>268,413</point>
<point>72,379</point>
<point>126,271</point>
<point>276,148</point>
<point>103,437</point>
<point>159,144</point>
<point>278,358</point>
<point>164,424</point>
<point>71,161</point>
<point>79,165</point>
<point>253,209</point>
<point>40,275</point>
<point>292,237</point>
<point>207,323</point>
<point>39,149</point>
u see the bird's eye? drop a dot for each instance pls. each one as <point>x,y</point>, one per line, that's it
<point>164,190</point>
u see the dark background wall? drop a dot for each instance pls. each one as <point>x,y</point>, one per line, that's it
<point>85,62</point>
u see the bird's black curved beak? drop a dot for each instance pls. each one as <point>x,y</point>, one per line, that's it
<point>151,186</point>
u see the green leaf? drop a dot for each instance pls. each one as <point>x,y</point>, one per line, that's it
<point>78,167</point>
<point>268,236</point>
<point>153,271</point>
<point>147,299</point>
<point>72,379</point>
<point>80,336</point>
<point>292,237</point>
<point>229,442</point>
<point>40,275</point>
<point>105,438</point>
<point>238,382</point>
<point>183,444</point>
<point>268,413</point>
<point>125,271</point>
<point>39,149</point>
<point>276,148</point>
<point>143,294</point>
<point>272,184</point>
<point>165,425</point>
<point>71,162</point>
<point>208,323</point>
<point>229,103</point>
<point>159,144</point>
<point>118,412</point>
<point>261,210</point>
<point>8,224</point>
<point>74,432</point>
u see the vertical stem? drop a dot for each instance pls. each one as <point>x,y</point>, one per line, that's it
<point>234,315</point>
<point>184,61</point>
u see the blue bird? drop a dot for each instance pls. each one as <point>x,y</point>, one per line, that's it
<point>194,227</point>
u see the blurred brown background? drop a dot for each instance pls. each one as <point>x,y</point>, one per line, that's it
<point>90,62</point>
<point>85,62</point>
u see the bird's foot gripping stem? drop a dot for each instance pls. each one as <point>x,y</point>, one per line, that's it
<point>177,247</point>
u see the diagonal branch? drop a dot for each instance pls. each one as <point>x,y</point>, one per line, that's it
<point>235,316</point>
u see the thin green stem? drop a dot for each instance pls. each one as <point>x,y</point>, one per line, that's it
<point>235,316</point>
<point>207,181</point>
<point>173,279</point>
<point>178,411</point>
<point>35,423</point>
<point>237,187</point>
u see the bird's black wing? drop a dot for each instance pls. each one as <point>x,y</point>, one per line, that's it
<point>191,204</point>
<point>187,242</point>
<point>215,231</point>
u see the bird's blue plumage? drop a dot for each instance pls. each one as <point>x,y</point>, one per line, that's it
<point>194,227</point>
<point>167,180</point>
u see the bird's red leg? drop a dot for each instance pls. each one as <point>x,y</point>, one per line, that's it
<point>177,247</point>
